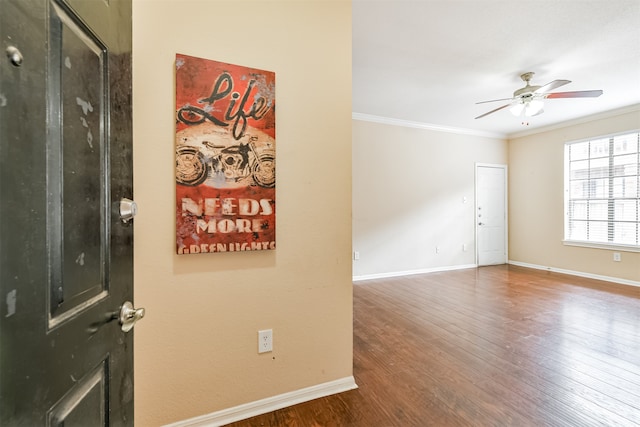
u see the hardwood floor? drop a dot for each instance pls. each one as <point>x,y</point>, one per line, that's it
<point>492,346</point>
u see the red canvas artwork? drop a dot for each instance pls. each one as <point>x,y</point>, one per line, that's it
<point>225,157</point>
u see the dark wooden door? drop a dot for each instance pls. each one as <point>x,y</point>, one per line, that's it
<point>66,255</point>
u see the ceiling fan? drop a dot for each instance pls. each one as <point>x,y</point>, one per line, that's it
<point>527,101</point>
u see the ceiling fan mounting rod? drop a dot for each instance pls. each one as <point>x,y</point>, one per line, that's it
<point>528,89</point>
<point>526,77</point>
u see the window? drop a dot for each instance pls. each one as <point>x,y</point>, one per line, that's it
<point>602,191</point>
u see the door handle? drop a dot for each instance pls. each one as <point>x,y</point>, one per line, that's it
<point>129,316</point>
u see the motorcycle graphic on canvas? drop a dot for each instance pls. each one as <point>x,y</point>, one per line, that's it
<point>227,165</point>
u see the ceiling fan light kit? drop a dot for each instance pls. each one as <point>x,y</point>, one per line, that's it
<point>527,107</point>
<point>527,101</point>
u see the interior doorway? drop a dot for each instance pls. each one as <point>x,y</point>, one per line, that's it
<point>491,214</point>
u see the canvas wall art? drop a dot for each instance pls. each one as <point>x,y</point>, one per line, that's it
<point>225,157</point>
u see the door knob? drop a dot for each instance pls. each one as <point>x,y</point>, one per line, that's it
<point>129,316</point>
<point>128,209</point>
<point>481,223</point>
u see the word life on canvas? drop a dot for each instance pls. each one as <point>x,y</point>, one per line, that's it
<point>236,113</point>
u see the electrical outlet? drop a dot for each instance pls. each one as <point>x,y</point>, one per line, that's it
<point>616,257</point>
<point>356,255</point>
<point>265,341</point>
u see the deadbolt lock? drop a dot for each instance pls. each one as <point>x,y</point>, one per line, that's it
<point>128,210</point>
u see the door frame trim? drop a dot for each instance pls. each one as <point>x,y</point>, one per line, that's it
<point>506,207</point>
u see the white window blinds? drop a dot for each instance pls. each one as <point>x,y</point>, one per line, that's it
<point>602,190</point>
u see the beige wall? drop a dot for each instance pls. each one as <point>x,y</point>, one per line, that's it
<point>536,202</point>
<point>196,350</point>
<point>413,190</point>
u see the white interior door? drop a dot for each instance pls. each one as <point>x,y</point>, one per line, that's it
<point>491,214</point>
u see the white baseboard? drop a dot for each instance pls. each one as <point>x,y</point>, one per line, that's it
<point>577,273</point>
<point>269,404</point>
<point>521,264</point>
<point>410,272</point>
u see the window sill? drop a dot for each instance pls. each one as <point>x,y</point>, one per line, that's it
<point>597,245</point>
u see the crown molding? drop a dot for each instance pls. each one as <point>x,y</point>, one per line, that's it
<point>578,121</point>
<point>425,126</point>
<point>461,131</point>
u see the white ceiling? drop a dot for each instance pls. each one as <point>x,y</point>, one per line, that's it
<point>430,61</point>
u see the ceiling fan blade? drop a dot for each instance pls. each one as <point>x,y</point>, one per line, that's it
<point>552,85</point>
<point>576,94</point>
<point>495,100</point>
<point>493,111</point>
